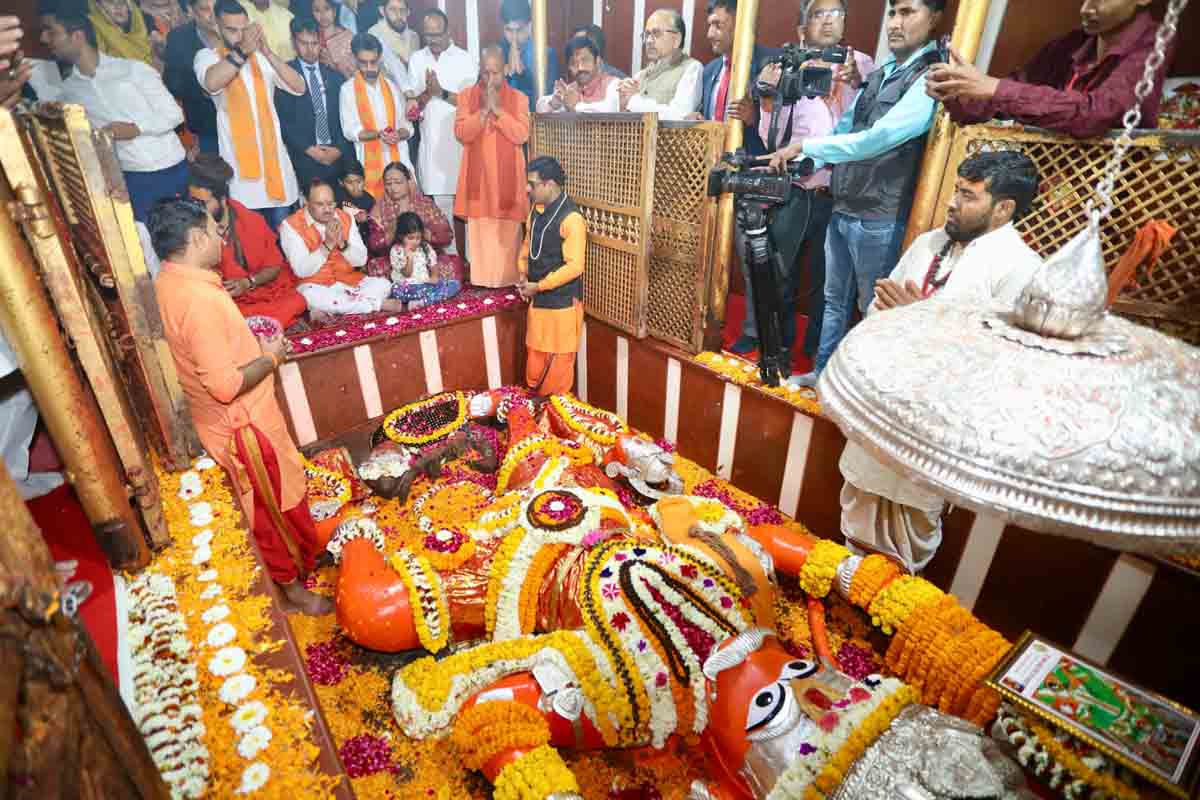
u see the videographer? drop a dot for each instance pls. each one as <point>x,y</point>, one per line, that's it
<point>804,218</point>
<point>876,154</point>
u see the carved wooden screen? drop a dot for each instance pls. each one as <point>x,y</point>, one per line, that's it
<point>1160,181</point>
<point>87,183</point>
<point>683,231</point>
<point>609,161</point>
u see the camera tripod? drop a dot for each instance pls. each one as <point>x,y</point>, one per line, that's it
<point>765,268</point>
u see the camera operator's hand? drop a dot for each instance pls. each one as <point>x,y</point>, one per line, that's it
<point>890,294</point>
<point>743,110</point>
<point>848,73</point>
<point>781,157</point>
<point>770,74</point>
<point>959,79</point>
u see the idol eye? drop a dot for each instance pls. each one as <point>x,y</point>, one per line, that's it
<point>764,706</point>
<point>799,668</point>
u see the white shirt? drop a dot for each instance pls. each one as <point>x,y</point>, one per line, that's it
<point>395,68</point>
<point>123,90</point>
<point>250,193</point>
<point>609,104</point>
<point>441,152</point>
<point>687,97</point>
<point>991,272</point>
<point>306,263</point>
<point>46,79</point>
<point>352,125</point>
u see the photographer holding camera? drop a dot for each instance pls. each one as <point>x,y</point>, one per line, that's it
<point>786,120</point>
<point>876,152</point>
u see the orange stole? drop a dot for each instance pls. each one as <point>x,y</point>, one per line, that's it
<point>336,268</point>
<point>373,150</point>
<point>247,136</point>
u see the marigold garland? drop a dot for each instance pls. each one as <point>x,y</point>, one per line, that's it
<point>898,599</point>
<point>449,411</point>
<point>872,575</point>
<point>327,490</point>
<point>499,571</point>
<point>536,775</point>
<point>744,373</point>
<point>487,730</point>
<point>518,454</point>
<point>531,587</point>
<point>820,567</point>
<point>604,430</point>
<point>447,549</point>
<point>430,612</point>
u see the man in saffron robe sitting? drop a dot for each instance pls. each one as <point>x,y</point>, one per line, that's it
<point>327,253</point>
<point>551,268</point>
<point>229,381</point>
<point>253,270</point>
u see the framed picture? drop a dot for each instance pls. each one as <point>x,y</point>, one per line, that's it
<point>1149,734</point>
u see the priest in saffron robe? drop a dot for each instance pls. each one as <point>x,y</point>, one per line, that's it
<point>551,267</point>
<point>372,109</point>
<point>241,75</point>
<point>229,379</point>
<point>253,269</point>
<point>492,122</point>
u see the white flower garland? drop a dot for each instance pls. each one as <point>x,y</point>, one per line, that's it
<point>165,686</point>
<point>800,774</point>
<point>387,464</point>
<point>351,529</point>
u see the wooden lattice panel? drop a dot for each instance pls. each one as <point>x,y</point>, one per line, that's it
<point>88,186</point>
<point>609,161</point>
<point>684,221</point>
<point>1160,181</point>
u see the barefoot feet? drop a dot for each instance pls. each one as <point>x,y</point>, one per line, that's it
<point>304,601</point>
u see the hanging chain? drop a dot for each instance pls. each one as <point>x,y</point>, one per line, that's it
<point>1133,117</point>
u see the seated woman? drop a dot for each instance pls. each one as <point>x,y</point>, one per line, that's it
<point>335,40</point>
<point>414,262</point>
<point>253,269</point>
<point>400,195</point>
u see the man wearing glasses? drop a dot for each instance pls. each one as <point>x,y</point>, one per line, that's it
<point>517,46</point>
<point>671,84</point>
<point>437,73</point>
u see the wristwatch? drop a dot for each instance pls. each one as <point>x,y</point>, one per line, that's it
<point>445,95</point>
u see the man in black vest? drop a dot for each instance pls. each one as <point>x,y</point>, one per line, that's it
<point>551,267</point>
<point>876,154</point>
<point>311,123</point>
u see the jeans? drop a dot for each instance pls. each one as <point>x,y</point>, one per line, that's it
<point>147,188</point>
<point>807,215</point>
<point>858,252</point>
<point>208,143</point>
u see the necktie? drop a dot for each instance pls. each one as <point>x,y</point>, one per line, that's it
<point>722,94</point>
<point>318,101</point>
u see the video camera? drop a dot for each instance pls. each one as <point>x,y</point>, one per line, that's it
<point>736,175</point>
<point>798,80</point>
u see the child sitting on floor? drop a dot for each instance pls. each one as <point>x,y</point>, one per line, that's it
<point>413,266</point>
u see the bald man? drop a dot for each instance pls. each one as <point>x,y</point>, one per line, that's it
<point>671,84</point>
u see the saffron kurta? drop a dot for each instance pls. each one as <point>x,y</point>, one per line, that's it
<point>256,243</point>
<point>210,342</point>
<point>491,184</point>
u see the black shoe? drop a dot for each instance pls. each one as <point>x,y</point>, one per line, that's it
<point>744,346</point>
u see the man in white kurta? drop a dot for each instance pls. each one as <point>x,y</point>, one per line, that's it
<point>18,420</point>
<point>672,84</point>
<point>356,130</point>
<point>327,264</point>
<point>248,61</point>
<point>437,73</point>
<point>977,258</point>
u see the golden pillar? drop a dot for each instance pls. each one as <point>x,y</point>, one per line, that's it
<point>541,45</point>
<point>968,31</point>
<point>739,79</point>
<point>63,400</point>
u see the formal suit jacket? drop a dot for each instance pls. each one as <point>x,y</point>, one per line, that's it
<point>710,85</point>
<point>298,123</point>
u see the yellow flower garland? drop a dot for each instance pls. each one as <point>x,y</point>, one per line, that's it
<point>460,418</point>
<point>405,563</point>
<point>898,599</point>
<point>734,370</point>
<point>820,567</point>
<point>531,585</point>
<point>871,728</point>
<point>567,407</point>
<point>444,562</point>
<point>872,575</point>
<point>535,776</point>
<point>490,729</point>
<point>326,485</point>
<point>516,455</point>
